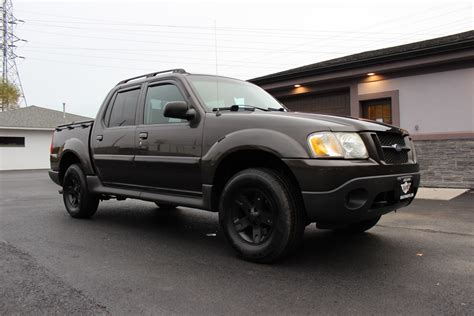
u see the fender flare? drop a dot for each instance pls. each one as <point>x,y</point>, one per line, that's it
<point>81,151</point>
<point>271,141</point>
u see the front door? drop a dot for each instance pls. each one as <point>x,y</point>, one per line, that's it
<point>113,140</point>
<point>168,151</point>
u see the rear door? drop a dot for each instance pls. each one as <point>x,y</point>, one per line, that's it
<point>168,150</point>
<point>113,140</point>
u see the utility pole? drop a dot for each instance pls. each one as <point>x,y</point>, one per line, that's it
<point>8,46</point>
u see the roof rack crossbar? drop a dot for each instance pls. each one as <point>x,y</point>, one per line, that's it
<point>152,74</point>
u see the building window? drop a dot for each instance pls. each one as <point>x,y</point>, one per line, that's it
<point>379,110</point>
<point>9,141</point>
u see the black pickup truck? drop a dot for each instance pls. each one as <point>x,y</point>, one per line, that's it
<point>225,145</point>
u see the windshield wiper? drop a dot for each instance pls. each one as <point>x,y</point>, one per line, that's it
<point>236,107</point>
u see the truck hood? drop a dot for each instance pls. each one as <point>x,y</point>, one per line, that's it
<point>343,123</point>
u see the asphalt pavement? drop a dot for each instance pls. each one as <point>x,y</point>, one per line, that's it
<point>132,258</point>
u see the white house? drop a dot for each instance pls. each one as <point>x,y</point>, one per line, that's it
<point>25,136</point>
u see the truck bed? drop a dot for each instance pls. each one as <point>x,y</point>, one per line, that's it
<point>72,138</point>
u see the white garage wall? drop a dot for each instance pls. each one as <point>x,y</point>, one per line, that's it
<point>35,154</point>
<point>440,102</point>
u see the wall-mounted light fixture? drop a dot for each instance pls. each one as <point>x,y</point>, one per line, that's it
<point>371,74</point>
<point>297,85</point>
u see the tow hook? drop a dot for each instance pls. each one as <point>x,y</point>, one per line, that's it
<point>60,191</point>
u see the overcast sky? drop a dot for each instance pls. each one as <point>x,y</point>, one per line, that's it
<point>78,50</point>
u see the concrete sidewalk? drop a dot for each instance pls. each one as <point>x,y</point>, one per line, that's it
<point>443,194</point>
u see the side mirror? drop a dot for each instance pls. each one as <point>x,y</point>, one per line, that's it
<point>180,110</point>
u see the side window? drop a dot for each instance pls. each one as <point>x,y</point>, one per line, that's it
<point>124,108</point>
<point>156,99</point>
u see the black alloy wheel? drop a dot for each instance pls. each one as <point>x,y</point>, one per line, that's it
<point>260,215</point>
<point>79,202</point>
<point>254,216</point>
<point>72,190</point>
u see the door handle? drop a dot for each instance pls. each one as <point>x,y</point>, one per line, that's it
<point>143,135</point>
<point>99,138</point>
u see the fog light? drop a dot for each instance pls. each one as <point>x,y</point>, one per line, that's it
<point>356,198</point>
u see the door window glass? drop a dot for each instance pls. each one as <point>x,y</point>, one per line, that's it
<point>156,99</point>
<point>124,108</point>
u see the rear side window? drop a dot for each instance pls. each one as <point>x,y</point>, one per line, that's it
<point>124,108</point>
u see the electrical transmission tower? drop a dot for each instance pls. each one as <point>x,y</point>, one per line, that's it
<point>8,45</point>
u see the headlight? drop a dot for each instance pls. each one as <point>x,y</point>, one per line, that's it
<point>337,145</point>
<point>353,145</point>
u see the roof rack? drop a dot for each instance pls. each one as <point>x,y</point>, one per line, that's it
<point>152,74</point>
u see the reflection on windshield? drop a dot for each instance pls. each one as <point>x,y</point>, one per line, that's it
<point>218,92</point>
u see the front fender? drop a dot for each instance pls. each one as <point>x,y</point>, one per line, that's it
<point>277,143</point>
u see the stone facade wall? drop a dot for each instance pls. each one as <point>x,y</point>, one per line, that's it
<point>446,163</point>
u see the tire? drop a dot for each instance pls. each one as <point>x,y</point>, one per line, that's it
<point>77,199</point>
<point>358,228</point>
<point>165,206</point>
<point>260,215</point>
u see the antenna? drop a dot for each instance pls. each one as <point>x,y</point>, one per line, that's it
<point>218,113</point>
<point>215,45</point>
<point>8,46</point>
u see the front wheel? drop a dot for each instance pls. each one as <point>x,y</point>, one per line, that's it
<point>77,199</point>
<point>260,216</point>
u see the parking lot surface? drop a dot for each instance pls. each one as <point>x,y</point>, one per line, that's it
<point>132,258</point>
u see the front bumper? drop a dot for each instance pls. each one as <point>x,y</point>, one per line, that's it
<point>343,191</point>
<point>360,199</point>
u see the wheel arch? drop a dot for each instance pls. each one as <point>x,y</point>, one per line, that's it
<point>68,158</point>
<point>74,151</point>
<point>249,157</point>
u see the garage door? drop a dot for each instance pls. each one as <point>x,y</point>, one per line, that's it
<point>337,103</point>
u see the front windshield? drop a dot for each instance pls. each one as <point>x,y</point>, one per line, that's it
<point>218,92</point>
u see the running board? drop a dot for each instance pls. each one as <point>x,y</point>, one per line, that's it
<point>201,202</point>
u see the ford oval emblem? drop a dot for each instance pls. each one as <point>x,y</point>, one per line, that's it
<point>397,147</point>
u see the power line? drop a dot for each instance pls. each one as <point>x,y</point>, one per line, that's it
<point>197,27</point>
<point>162,49</point>
<point>189,35</point>
<point>284,52</point>
<point>203,61</point>
<point>49,51</point>
<point>243,32</point>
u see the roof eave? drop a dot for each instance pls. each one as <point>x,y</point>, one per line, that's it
<point>400,56</point>
<point>27,128</point>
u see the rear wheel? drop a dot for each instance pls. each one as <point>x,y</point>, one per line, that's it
<point>165,206</point>
<point>77,199</point>
<point>260,216</point>
<point>358,228</point>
